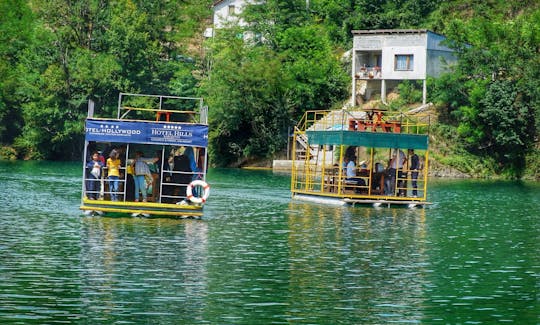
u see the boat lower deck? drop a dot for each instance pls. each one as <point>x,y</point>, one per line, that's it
<point>386,203</point>
<point>142,208</point>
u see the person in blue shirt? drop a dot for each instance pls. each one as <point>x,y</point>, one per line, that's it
<point>94,169</point>
<point>188,152</point>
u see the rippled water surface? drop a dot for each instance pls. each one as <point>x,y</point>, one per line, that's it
<point>257,257</point>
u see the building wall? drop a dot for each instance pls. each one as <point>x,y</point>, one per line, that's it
<point>439,62</point>
<point>435,42</point>
<point>388,46</point>
<point>419,62</point>
<point>430,58</point>
<point>439,56</point>
<point>378,42</point>
<point>222,16</point>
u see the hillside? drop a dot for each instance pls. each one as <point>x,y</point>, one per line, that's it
<point>260,77</point>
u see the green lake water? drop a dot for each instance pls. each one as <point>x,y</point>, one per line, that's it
<point>256,257</point>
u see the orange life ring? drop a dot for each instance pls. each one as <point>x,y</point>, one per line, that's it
<point>195,199</point>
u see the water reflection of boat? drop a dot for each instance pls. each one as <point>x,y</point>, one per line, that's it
<point>361,157</point>
<point>150,160</point>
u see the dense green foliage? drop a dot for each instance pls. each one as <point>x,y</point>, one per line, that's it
<point>60,54</point>
<point>264,79</point>
<point>258,80</point>
<point>492,98</point>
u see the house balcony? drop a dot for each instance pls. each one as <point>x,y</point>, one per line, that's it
<point>366,73</point>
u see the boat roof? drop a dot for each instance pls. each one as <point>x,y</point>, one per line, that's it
<point>368,139</point>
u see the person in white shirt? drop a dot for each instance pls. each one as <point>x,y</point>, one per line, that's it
<point>396,169</point>
<point>350,173</point>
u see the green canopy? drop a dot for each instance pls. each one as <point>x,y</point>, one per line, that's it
<point>368,139</point>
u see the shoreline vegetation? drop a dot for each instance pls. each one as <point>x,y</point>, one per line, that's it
<point>436,169</point>
<point>259,77</point>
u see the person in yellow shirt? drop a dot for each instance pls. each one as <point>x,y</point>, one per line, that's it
<point>113,167</point>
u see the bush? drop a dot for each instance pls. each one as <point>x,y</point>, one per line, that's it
<point>8,153</point>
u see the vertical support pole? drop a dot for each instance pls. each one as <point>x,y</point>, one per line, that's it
<point>370,178</point>
<point>340,170</point>
<point>424,92</point>
<point>293,165</point>
<point>91,105</point>
<point>383,91</point>
<point>126,172</point>
<point>396,180</point>
<point>425,174</point>
<point>161,178</point>
<point>353,72</point>
<point>119,106</point>
<point>307,168</point>
<point>323,168</point>
<point>85,153</point>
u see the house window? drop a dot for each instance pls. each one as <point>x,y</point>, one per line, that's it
<point>404,62</point>
<point>231,10</point>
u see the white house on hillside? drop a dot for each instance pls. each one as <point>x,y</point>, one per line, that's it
<point>226,12</point>
<point>382,58</point>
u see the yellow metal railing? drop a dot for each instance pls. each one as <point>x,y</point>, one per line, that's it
<point>339,120</point>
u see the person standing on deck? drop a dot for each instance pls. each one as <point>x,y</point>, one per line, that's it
<point>113,168</point>
<point>414,167</point>
<point>182,175</point>
<point>94,167</point>
<point>396,169</point>
<point>141,170</point>
<point>156,169</point>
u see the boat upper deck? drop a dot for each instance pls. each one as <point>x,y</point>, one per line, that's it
<point>161,108</point>
<point>153,119</point>
<point>368,128</point>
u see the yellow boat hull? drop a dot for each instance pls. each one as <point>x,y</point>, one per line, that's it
<point>142,208</point>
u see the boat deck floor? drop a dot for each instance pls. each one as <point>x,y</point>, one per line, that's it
<point>142,208</point>
<point>386,203</point>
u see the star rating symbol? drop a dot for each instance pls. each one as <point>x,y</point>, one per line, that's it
<point>106,126</point>
<point>172,127</point>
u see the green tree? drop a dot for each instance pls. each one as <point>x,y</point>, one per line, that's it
<point>340,17</point>
<point>315,78</point>
<point>246,97</point>
<point>60,71</point>
<point>93,50</point>
<point>264,77</point>
<point>16,23</point>
<point>493,93</point>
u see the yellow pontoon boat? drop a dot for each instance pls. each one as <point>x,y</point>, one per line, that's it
<point>150,160</point>
<point>361,157</point>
